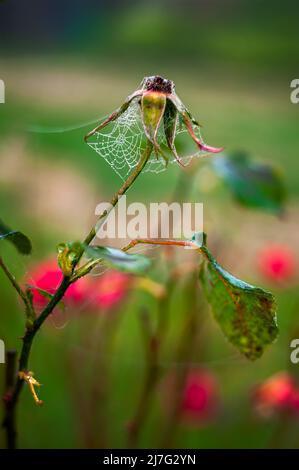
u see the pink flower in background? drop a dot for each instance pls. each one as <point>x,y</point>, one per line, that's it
<point>92,293</point>
<point>47,276</point>
<point>294,400</point>
<point>109,289</point>
<point>275,394</point>
<point>277,263</point>
<point>200,397</point>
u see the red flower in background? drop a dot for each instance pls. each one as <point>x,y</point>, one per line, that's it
<point>278,393</point>
<point>200,397</point>
<point>294,400</point>
<point>277,263</point>
<point>108,289</point>
<point>47,276</point>
<point>100,292</point>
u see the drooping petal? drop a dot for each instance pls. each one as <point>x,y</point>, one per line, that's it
<point>200,144</point>
<point>188,121</point>
<point>170,124</point>
<point>182,108</point>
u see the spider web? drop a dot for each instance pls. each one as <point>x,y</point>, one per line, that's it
<point>122,142</point>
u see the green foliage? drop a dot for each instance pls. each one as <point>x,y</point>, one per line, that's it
<point>118,259</point>
<point>18,239</point>
<point>245,313</point>
<point>252,184</point>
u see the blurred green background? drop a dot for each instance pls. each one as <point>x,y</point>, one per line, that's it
<point>65,63</point>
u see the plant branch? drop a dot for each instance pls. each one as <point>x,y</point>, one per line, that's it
<point>184,354</point>
<point>17,287</point>
<point>32,328</point>
<point>158,241</point>
<point>152,373</point>
<point>10,371</point>
<point>123,189</point>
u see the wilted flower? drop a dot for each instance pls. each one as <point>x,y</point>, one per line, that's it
<point>277,263</point>
<point>275,394</point>
<point>159,103</point>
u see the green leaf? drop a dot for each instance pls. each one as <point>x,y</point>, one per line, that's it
<point>252,184</point>
<point>18,239</point>
<point>68,254</point>
<point>118,259</point>
<point>245,313</point>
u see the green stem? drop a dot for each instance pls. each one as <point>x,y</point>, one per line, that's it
<point>184,355</point>
<point>161,242</point>
<point>154,343</point>
<point>127,184</point>
<point>10,361</point>
<point>152,373</point>
<point>28,306</point>
<point>33,328</point>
